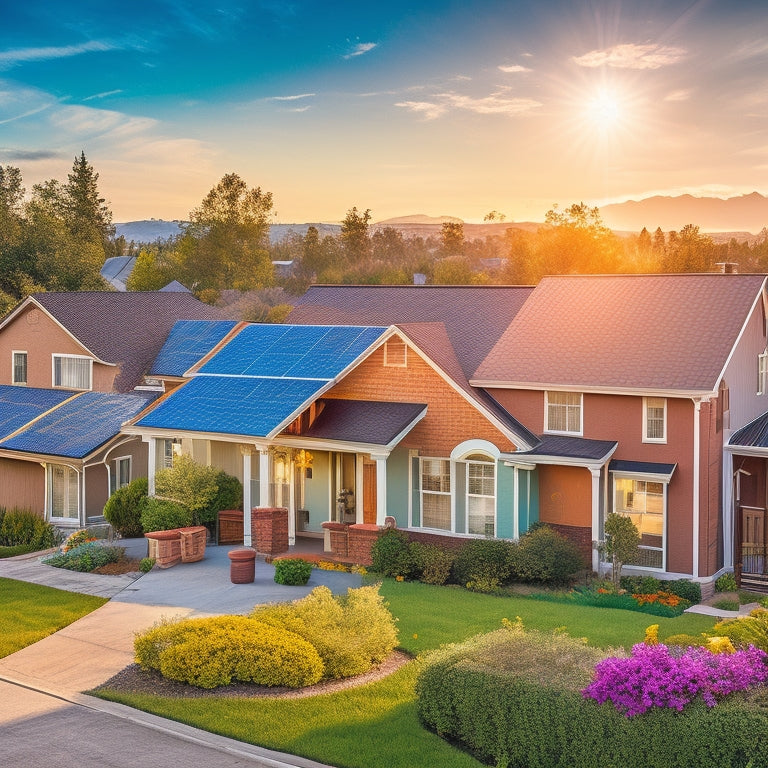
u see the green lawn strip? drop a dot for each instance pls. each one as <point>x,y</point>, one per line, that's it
<point>19,549</point>
<point>30,612</point>
<point>372,726</point>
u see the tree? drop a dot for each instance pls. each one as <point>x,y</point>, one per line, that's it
<point>355,240</point>
<point>689,251</point>
<point>452,237</point>
<point>11,228</point>
<point>86,211</point>
<point>494,216</point>
<point>225,244</point>
<point>622,541</point>
<point>147,273</point>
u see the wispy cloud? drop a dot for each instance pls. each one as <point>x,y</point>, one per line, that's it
<point>294,97</point>
<point>300,109</point>
<point>512,68</point>
<point>30,155</point>
<point>360,49</point>
<point>498,103</point>
<point>86,121</point>
<point>103,95</point>
<point>632,56</point>
<point>13,58</point>
<point>678,96</point>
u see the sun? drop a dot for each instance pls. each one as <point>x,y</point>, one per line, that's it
<point>604,110</point>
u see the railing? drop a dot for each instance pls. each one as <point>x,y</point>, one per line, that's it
<point>753,558</point>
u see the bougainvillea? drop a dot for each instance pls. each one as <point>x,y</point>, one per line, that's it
<point>658,676</point>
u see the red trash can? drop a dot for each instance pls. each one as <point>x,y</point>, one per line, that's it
<point>242,569</point>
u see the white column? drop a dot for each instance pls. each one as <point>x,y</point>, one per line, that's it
<point>696,482</point>
<point>729,509</point>
<point>595,472</point>
<point>151,461</point>
<point>263,478</point>
<point>359,488</point>
<point>246,451</point>
<point>291,502</point>
<point>515,507</point>
<point>381,488</point>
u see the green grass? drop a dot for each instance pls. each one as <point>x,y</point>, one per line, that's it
<point>375,726</point>
<point>30,612</point>
<point>18,549</point>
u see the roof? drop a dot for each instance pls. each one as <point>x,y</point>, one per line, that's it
<point>365,421</point>
<point>649,468</point>
<point>753,435</point>
<point>20,405</point>
<point>174,287</point>
<point>580,449</point>
<point>127,329</point>
<point>262,379</point>
<point>648,332</point>
<point>187,343</point>
<point>474,316</point>
<point>79,426</point>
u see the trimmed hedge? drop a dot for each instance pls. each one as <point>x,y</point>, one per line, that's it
<point>212,652</point>
<point>545,556</point>
<point>164,515</point>
<point>484,564</point>
<point>391,554</point>
<point>293,572</point>
<point>123,508</point>
<point>513,699</point>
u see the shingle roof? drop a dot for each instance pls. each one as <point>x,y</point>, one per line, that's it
<point>20,405</point>
<point>753,435</point>
<point>187,343</point>
<point>641,468</point>
<point>363,421</point>
<point>566,447</point>
<point>474,316</point>
<point>78,427</point>
<point>653,332</point>
<point>124,328</point>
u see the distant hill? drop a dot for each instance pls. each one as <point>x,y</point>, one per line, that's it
<point>747,213</point>
<point>417,218</point>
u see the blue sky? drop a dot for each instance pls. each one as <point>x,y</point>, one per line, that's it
<point>441,108</point>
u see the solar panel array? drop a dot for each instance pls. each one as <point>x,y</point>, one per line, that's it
<point>20,405</point>
<point>187,343</point>
<point>78,427</point>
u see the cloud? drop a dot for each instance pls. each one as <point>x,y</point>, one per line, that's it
<point>632,56</point>
<point>30,155</point>
<point>498,103</point>
<point>428,109</point>
<point>360,49</point>
<point>300,109</point>
<point>12,58</point>
<point>511,68</point>
<point>291,98</point>
<point>103,95</point>
<point>678,96</point>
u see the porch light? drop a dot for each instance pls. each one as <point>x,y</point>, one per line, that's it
<point>303,459</point>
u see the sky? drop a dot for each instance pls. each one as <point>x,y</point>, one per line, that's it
<point>435,108</point>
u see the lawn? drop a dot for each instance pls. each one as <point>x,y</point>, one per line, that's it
<point>375,726</point>
<point>30,612</point>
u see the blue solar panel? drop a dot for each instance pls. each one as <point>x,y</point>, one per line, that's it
<point>79,426</point>
<point>19,405</point>
<point>238,406</point>
<point>292,351</point>
<point>187,343</point>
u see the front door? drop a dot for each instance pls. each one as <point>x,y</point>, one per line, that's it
<point>369,491</point>
<point>753,540</point>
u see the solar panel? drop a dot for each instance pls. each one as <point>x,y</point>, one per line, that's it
<point>187,343</point>
<point>20,405</point>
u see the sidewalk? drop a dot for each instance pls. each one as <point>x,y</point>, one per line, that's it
<point>99,645</point>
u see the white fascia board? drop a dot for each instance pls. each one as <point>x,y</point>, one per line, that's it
<point>743,450</point>
<point>569,461</point>
<point>703,394</point>
<point>163,432</point>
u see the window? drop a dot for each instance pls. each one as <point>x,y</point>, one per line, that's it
<point>19,367</point>
<point>121,475</point>
<point>63,492</point>
<point>762,373</point>
<point>563,412</point>
<point>72,371</point>
<point>481,495</point>
<point>654,420</point>
<point>395,354</point>
<point>436,493</point>
<point>644,502</point>
<point>165,451</point>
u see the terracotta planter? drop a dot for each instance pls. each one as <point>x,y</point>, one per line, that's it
<point>242,569</point>
<point>178,545</point>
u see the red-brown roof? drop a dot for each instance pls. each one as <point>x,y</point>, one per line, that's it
<point>651,332</point>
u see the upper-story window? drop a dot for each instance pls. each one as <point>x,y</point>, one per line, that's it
<point>395,354</point>
<point>762,373</point>
<point>563,412</point>
<point>654,420</point>
<point>72,372</point>
<point>19,367</point>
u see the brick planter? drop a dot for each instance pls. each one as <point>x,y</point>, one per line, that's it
<point>231,526</point>
<point>338,538</point>
<point>361,538</point>
<point>242,568</point>
<point>269,530</point>
<point>178,545</point>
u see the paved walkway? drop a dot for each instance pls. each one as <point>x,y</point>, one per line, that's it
<point>40,685</point>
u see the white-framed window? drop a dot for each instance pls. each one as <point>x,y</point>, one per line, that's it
<point>72,372</point>
<point>436,493</point>
<point>121,473</point>
<point>762,373</point>
<point>481,495</point>
<point>395,353</point>
<point>563,412</point>
<point>63,493</point>
<point>165,450</point>
<point>654,420</point>
<point>645,503</point>
<point>19,367</point>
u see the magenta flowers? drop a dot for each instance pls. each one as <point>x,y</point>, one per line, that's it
<point>655,676</point>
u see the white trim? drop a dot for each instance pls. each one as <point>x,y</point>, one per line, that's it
<point>696,482</point>
<point>646,439</point>
<point>595,473</point>
<point>475,446</point>
<point>551,431</point>
<point>591,389</point>
<point>387,364</point>
<point>762,372</point>
<point>117,461</point>
<point>15,352</point>
<point>63,355</point>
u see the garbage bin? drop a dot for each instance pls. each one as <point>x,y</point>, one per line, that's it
<point>242,568</point>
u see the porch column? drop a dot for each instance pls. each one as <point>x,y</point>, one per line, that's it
<point>246,451</point>
<point>291,502</point>
<point>595,472</point>
<point>359,491</point>
<point>151,459</point>
<point>381,488</point>
<point>696,484</point>
<point>729,508</point>
<point>263,478</point>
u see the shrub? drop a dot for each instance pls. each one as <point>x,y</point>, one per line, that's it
<point>164,515</point>
<point>546,556</point>
<point>190,484</point>
<point>123,508</point>
<point>75,539</point>
<point>432,562</point>
<point>146,564</point>
<point>726,583</point>
<point>685,641</point>
<point>685,588</point>
<point>746,630</point>
<point>622,540</point>
<point>485,563</point>
<point>211,652</point>
<point>351,633</point>
<point>644,585</point>
<point>24,527</point>
<point>86,557</point>
<point>228,496</point>
<point>391,554</point>
<point>292,571</point>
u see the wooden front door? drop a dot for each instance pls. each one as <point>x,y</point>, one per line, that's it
<point>369,491</point>
<point>753,540</point>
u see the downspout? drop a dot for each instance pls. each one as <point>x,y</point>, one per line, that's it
<point>696,482</point>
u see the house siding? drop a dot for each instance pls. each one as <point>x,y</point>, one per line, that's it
<point>23,485</point>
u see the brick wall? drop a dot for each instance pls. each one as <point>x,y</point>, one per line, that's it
<point>581,537</point>
<point>269,530</point>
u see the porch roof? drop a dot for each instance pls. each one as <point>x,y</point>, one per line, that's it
<point>649,468</point>
<point>78,427</point>
<point>20,405</point>
<point>187,343</point>
<point>753,435</point>
<point>365,421</point>
<point>570,449</point>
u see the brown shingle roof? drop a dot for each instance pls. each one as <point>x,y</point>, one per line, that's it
<point>124,328</point>
<point>653,332</point>
<point>474,316</point>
